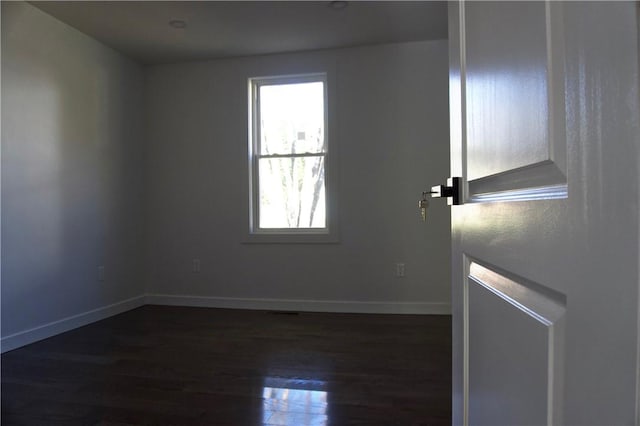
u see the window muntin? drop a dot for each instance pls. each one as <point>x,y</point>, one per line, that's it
<point>289,155</point>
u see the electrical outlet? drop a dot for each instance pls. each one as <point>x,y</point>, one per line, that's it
<point>100,273</point>
<point>195,267</point>
<point>400,270</point>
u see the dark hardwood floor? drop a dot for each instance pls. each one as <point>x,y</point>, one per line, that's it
<point>160,365</point>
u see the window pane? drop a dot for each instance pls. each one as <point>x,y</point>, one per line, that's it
<point>292,192</point>
<point>292,118</point>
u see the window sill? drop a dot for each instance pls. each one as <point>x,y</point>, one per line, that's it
<point>291,238</point>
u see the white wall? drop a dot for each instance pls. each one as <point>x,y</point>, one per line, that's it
<point>71,175</point>
<point>392,140</point>
<point>81,188</point>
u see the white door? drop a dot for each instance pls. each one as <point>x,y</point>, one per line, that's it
<point>544,130</point>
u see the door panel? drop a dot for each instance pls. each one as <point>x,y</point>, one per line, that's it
<point>506,72</point>
<point>545,129</point>
<point>515,337</point>
<point>512,62</point>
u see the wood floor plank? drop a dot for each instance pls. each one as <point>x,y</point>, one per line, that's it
<point>160,365</point>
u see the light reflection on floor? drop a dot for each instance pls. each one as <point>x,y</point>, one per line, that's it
<point>294,402</point>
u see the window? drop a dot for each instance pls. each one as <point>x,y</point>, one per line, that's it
<point>289,156</point>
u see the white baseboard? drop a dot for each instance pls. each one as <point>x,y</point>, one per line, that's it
<point>337,306</point>
<point>32,335</point>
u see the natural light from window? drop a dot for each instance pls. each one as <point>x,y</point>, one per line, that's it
<point>294,402</point>
<point>290,151</point>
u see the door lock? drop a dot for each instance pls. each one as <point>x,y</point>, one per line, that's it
<point>452,191</point>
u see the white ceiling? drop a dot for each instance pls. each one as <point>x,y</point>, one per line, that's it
<point>217,29</point>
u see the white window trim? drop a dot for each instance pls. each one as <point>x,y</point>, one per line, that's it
<point>329,234</point>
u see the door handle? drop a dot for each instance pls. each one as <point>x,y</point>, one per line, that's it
<point>452,191</point>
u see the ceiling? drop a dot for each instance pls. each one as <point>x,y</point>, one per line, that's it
<point>219,29</point>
